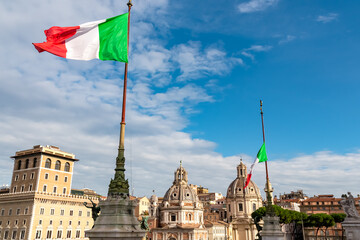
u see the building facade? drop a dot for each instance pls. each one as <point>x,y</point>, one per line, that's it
<point>241,203</point>
<point>325,204</point>
<point>39,204</point>
<point>180,214</point>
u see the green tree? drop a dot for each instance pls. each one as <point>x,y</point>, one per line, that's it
<point>339,218</point>
<point>319,221</point>
<point>293,218</point>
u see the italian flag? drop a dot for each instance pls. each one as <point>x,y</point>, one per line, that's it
<point>104,39</point>
<point>261,157</point>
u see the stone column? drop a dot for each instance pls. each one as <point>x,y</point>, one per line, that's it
<point>116,221</point>
<point>271,229</point>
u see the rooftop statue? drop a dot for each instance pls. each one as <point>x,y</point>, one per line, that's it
<point>94,209</point>
<point>348,204</point>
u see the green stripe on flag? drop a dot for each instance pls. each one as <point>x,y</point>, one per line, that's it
<point>262,154</point>
<point>113,38</point>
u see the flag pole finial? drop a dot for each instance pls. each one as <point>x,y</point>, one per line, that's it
<point>129,3</point>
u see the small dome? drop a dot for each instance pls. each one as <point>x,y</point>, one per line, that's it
<point>154,199</point>
<point>236,188</point>
<point>180,191</point>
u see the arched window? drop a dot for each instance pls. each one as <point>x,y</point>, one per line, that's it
<point>19,165</point>
<point>27,163</point>
<point>58,165</point>
<point>67,167</point>
<point>35,162</point>
<point>48,163</point>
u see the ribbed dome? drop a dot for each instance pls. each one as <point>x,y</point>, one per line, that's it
<point>236,187</point>
<point>180,191</point>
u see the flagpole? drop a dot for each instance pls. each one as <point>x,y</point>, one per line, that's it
<point>269,208</point>
<point>263,132</point>
<point>119,185</point>
<point>122,124</point>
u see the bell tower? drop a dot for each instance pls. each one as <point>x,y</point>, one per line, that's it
<point>241,170</point>
<point>180,175</point>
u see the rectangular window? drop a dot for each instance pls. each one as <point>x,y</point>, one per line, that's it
<point>24,222</point>
<point>50,222</point>
<point>78,222</point>
<point>56,177</point>
<point>59,234</point>
<point>77,234</point>
<point>16,178</point>
<point>6,234</point>
<point>0,225</point>
<point>55,189</point>
<point>22,188</point>
<point>10,212</point>
<point>30,187</point>
<point>49,234</point>
<point>44,188</point>
<point>64,190</point>
<point>88,213</point>
<point>65,179</point>
<point>42,210</point>
<point>70,223</point>
<point>22,234</point>
<point>40,222</point>
<point>68,234</point>
<point>46,175</point>
<point>32,175</point>
<point>38,234</point>
<point>16,222</point>
<point>14,233</point>
<point>24,177</point>
<point>62,212</point>
<point>71,212</point>
<point>80,213</point>
<point>14,189</point>
<point>2,212</point>
<point>52,211</point>
<point>18,211</point>
<point>240,207</point>
<point>60,222</point>
<point>173,217</point>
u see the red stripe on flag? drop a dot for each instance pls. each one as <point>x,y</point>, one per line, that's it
<point>247,180</point>
<point>55,40</point>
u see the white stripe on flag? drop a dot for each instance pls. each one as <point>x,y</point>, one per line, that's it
<point>85,44</point>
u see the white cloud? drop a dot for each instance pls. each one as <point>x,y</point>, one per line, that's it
<point>249,52</point>
<point>259,48</point>
<point>256,5</point>
<point>327,18</point>
<point>249,55</point>
<point>197,63</point>
<point>287,39</point>
<point>76,105</point>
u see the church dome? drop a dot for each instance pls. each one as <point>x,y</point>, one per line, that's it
<point>180,192</point>
<point>236,187</point>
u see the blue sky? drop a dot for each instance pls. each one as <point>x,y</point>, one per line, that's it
<point>197,71</point>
